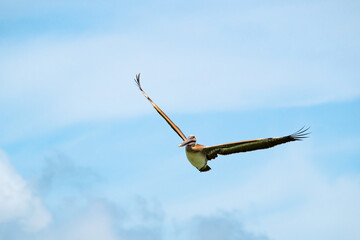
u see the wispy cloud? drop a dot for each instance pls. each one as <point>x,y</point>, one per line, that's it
<point>262,58</point>
<point>227,226</point>
<point>100,219</point>
<point>61,172</point>
<point>273,202</point>
<point>90,78</point>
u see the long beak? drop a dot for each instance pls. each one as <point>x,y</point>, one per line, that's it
<point>184,142</point>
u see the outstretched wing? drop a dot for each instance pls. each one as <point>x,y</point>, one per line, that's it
<point>167,119</point>
<point>251,145</point>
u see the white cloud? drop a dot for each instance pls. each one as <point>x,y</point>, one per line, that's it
<point>17,202</point>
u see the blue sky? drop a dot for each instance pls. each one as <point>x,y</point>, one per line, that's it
<point>83,155</point>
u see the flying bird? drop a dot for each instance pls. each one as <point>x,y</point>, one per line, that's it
<point>199,155</point>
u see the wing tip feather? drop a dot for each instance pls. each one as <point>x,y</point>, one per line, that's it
<point>137,80</point>
<point>301,134</point>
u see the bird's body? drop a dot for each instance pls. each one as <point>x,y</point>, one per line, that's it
<point>198,155</point>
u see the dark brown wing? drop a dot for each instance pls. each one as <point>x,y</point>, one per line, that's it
<point>167,119</point>
<point>251,145</point>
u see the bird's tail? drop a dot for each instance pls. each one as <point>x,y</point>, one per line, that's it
<point>205,169</point>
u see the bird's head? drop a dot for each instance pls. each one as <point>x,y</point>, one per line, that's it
<point>191,141</point>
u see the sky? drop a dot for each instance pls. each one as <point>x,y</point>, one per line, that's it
<point>83,155</point>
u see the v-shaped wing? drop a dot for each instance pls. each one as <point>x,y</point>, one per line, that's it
<point>167,119</point>
<point>212,152</point>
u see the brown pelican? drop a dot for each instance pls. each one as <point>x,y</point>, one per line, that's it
<point>198,155</point>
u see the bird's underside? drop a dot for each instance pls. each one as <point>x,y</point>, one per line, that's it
<point>199,155</point>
